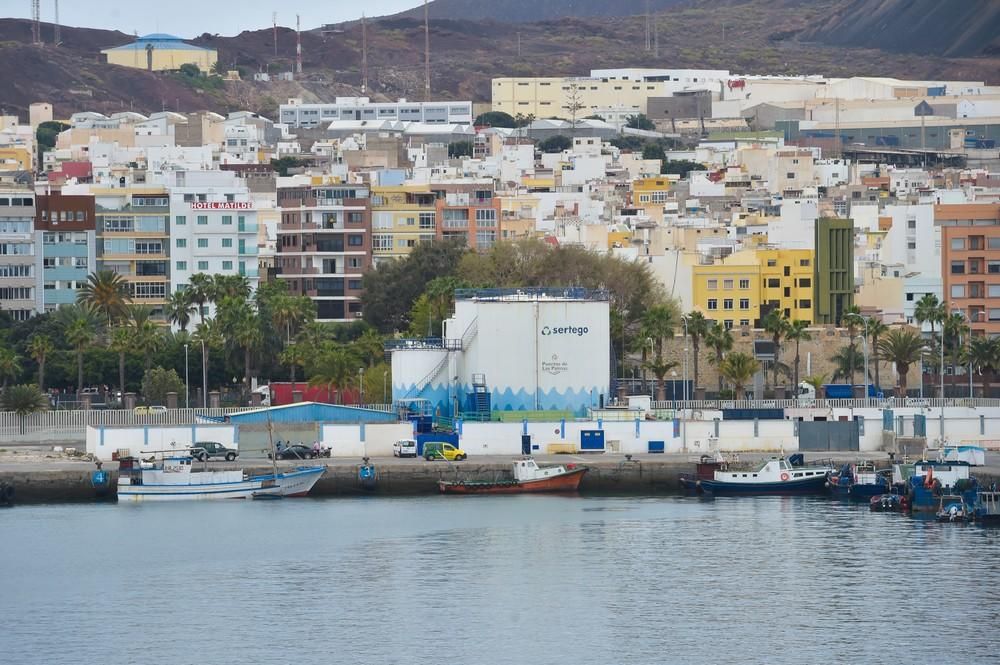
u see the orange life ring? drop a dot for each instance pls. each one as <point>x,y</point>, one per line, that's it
<point>784,476</point>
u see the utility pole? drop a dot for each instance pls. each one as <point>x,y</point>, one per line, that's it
<point>36,22</point>
<point>298,45</point>
<point>427,54</point>
<point>58,35</point>
<point>364,55</point>
<point>274,23</point>
<point>656,36</point>
<point>836,123</point>
<point>648,35</point>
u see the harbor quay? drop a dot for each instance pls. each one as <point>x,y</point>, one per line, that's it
<point>48,480</point>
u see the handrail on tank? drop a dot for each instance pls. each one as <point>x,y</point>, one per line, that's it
<point>532,293</point>
<point>423,343</point>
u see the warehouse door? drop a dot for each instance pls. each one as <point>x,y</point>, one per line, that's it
<point>829,435</point>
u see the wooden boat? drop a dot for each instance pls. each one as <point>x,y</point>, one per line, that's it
<point>776,476</point>
<point>527,477</point>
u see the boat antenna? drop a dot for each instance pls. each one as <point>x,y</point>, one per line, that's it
<point>270,439</point>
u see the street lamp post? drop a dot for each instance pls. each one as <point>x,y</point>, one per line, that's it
<point>204,378</point>
<point>685,359</point>
<point>864,346</point>
<point>187,383</point>
<point>958,310</point>
<point>361,385</point>
<point>385,376</point>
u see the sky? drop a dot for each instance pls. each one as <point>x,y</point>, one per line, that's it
<point>190,18</point>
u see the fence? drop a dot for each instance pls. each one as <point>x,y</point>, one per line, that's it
<point>72,425</point>
<point>869,403</point>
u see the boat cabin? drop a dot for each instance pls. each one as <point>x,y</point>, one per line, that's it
<point>947,472</point>
<point>174,470</point>
<point>770,471</point>
<point>526,469</point>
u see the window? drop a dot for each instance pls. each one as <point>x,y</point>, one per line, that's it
<point>202,243</point>
<point>382,220</point>
<point>227,242</point>
<point>202,219</point>
<point>790,175</point>
<point>993,267</point>
<point>354,284</point>
<point>805,304</point>
<point>911,224</point>
<point>181,243</point>
<point>202,266</point>
<point>744,322</point>
<point>180,220</point>
<point>713,284</point>
<point>804,263</point>
<point>773,283</point>
<point>181,265</point>
<point>426,220</point>
<point>728,324</point>
<point>744,283</point>
<point>805,282</point>
<point>727,284</point>
<point>713,304</point>
<point>727,303</point>
<point>958,267</point>
<point>958,243</point>
<point>771,263</point>
<point>227,220</point>
<point>995,315</point>
<point>227,265</point>
<point>15,293</point>
<point>19,270</point>
<point>993,290</point>
<point>486,217</point>
<point>958,290</point>
<point>993,242</point>
<point>744,303</point>
<point>356,241</point>
<point>381,242</point>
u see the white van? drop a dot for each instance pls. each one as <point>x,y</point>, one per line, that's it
<point>404,448</point>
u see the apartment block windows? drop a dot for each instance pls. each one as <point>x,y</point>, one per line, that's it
<point>727,303</point>
<point>958,290</point>
<point>805,304</point>
<point>202,243</point>
<point>227,265</point>
<point>805,282</point>
<point>993,242</point>
<point>426,221</point>
<point>744,303</point>
<point>227,220</point>
<point>958,243</point>
<point>744,284</point>
<point>180,265</point>
<point>712,284</point>
<point>381,242</point>
<point>202,219</point>
<point>993,290</point>
<point>227,242</point>
<point>713,304</point>
<point>727,284</point>
<point>181,243</point>
<point>773,283</point>
<point>202,266</point>
<point>958,267</point>
<point>16,293</point>
<point>355,241</point>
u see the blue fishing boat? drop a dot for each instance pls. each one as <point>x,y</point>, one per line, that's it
<point>987,509</point>
<point>859,482</point>
<point>931,480</point>
<point>775,476</point>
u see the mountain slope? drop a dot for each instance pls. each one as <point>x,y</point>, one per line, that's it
<point>948,28</point>
<point>529,11</point>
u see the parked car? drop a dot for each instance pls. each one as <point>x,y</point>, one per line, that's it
<point>149,410</point>
<point>204,450</point>
<point>445,451</point>
<point>295,451</point>
<point>404,448</point>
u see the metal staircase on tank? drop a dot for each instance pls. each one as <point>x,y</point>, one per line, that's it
<point>480,398</point>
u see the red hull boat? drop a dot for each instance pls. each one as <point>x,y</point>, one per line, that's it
<point>528,477</point>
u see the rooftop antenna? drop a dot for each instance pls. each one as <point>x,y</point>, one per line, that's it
<point>36,22</point>
<point>364,55</point>
<point>427,54</point>
<point>58,35</point>
<point>648,31</point>
<point>298,45</point>
<point>274,22</point>
<point>656,36</point>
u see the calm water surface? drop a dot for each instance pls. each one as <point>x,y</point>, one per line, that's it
<point>525,580</point>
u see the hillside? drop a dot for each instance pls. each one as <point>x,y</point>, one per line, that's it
<point>744,36</point>
<point>954,29</point>
<point>529,11</point>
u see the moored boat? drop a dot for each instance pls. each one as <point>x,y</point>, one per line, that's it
<point>931,480</point>
<point>775,476</point>
<point>987,510</point>
<point>172,479</point>
<point>296,482</point>
<point>527,476</point>
<point>889,503</point>
<point>859,482</point>
<point>952,508</point>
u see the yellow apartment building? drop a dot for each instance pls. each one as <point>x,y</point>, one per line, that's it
<point>402,217</point>
<point>15,159</point>
<point>737,289</point>
<point>518,213</point>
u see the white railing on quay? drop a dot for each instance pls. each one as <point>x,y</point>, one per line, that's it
<point>74,423</point>
<point>869,403</point>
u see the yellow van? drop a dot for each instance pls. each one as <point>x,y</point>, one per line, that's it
<point>445,451</point>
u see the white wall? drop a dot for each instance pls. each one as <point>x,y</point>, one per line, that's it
<point>361,440</point>
<point>103,441</point>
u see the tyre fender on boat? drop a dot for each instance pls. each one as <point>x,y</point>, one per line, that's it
<point>784,476</point>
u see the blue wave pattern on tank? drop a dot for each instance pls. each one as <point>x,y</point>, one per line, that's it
<point>506,399</point>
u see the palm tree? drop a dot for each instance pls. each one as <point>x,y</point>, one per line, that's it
<point>370,346</point>
<point>147,337</point>
<point>40,347</point>
<point>107,292</point>
<point>929,310</point>
<point>81,325</point>
<point>697,328</point>
<point>201,288</point>
<point>954,330</point>
<point>10,366</point>
<point>817,381</point>
<point>121,343</point>
<point>659,367</point>
<point>658,324</point>
<point>230,286</point>
<point>247,334</point>
<point>719,339</point>
<point>24,400</point>
<point>739,368</point>
<point>287,312</point>
<point>179,308</point>
<point>984,354</point>
<point>902,346</point>
<point>877,330</point>
<point>294,356</point>
<point>334,368</point>
<point>314,335</point>
<point>776,324</point>
<point>797,331</point>
<point>848,362</point>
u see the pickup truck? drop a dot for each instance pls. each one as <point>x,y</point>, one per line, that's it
<point>204,450</point>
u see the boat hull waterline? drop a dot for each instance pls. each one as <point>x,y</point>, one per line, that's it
<point>566,482</point>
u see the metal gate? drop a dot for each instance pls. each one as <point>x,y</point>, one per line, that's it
<point>829,435</point>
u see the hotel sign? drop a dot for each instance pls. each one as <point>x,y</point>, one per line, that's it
<point>221,205</point>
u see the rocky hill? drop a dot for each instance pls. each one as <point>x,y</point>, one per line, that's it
<point>744,36</point>
<point>529,11</point>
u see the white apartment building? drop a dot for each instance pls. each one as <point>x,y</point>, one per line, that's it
<point>914,242</point>
<point>298,114</point>
<point>17,253</point>
<point>213,227</point>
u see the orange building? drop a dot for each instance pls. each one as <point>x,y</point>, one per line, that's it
<point>970,262</point>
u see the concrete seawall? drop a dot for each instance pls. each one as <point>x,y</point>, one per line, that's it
<point>652,474</point>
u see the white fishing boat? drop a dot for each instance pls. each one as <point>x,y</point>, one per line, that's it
<point>294,482</point>
<point>172,478</point>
